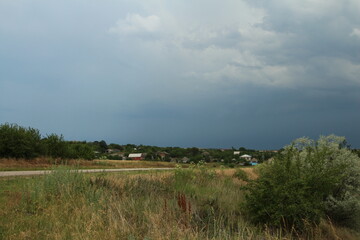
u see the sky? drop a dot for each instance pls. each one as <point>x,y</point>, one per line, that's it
<point>211,74</point>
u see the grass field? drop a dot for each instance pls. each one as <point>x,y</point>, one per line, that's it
<point>48,163</point>
<point>182,204</point>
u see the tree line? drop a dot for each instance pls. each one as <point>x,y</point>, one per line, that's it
<point>21,142</point>
<point>193,154</point>
<point>27,142</point>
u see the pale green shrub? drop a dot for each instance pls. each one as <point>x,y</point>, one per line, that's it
<point>310,180</point>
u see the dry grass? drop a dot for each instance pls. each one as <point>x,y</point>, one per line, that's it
<point>135,164</point>
<point>136,206</point>
<point>251,172</point>
<point>41,163</point>
<point>11,164</point>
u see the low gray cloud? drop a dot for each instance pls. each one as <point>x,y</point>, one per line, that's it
<point>208,74</point>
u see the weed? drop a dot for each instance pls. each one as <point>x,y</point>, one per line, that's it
<point>241,174</point>
<point>187,204</point>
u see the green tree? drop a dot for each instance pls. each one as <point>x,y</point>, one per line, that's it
<point>99,146</point>
<point>19,142</point>
<point>55,146</point>
<point>115,146</point>
<point>80,150</point>
<point>192,152</point>
<point>103,146</point>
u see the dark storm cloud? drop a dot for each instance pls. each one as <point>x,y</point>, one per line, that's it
<point>234,73</point>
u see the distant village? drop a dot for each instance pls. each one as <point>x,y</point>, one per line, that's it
<point>241,156</point>
<point>28,143</point>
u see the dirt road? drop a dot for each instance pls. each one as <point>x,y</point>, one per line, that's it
<point>42,172</point>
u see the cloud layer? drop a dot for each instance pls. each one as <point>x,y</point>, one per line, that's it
<point>212,74</point>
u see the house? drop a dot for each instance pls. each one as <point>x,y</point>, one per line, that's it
<point>236,152</point>
<point>112,150</point>
<point>254,162</point>
<point>137,156</point>
<point>120,154</point>
<point>185,159</point>
<point>205,153</point>
<point>246,157</point>
<point>225,149</point>
<point>162,155</point>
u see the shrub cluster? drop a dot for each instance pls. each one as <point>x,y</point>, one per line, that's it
<point>241,174</point>
<point>21,142</point>
<point>309,181</point>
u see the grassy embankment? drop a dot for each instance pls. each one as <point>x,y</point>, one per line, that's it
<point>185,204</point>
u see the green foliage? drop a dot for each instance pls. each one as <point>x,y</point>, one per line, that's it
<point>80,150</point>
<point>70,205</point>
<point>308,181</point>
<point>62,182</point>
<point>241,174</point>
<point>115,157</point>
<point>19,142</point>
<point>196,173</point>
<point>115,146</point>
<point>100,146</point>
<point>61,185</point>
<point>55,146</point>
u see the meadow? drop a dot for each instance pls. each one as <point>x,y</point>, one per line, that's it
<point>193,203</point>
<point>45,163</point>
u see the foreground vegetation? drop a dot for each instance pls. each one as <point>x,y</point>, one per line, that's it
<point>310,191</point>
<point>195,203</point>
<point>310,181</point>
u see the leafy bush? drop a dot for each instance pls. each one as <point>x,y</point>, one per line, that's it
<point>80,150</point>
<point>231,165</point>
<point>19,142</point>
<point>55,146</point>
<point>241,174</point>
<point>115,157</point>
<point>308,181</point>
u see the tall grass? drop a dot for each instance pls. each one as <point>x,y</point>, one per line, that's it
<point>12,164</point>
<point>193,203</point>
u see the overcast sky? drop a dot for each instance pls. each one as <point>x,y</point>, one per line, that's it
<point>251,73</point>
